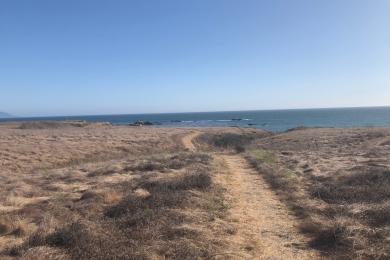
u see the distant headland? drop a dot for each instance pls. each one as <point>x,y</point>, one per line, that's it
<point>5,115</point>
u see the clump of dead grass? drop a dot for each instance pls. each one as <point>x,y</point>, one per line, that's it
<point>370,184</point>
<point>14,226</point>
<point>163,193</point>
<point>106,170</point>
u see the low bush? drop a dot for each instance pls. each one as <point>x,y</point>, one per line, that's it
<point>371,185</point>
<point>238,142</point>
<point>332,238</point>
<point>231,140</point>
<point>377,216</point>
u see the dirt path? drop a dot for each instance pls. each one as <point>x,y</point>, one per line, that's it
<point>265,229</point>
<point>187,141</point>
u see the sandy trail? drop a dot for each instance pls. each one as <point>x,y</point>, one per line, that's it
<point>187,141</point>
<point>265,227</point>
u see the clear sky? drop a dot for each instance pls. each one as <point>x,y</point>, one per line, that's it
<point>69,57</point>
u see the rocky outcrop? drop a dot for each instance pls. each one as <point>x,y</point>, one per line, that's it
<point>141,123</point>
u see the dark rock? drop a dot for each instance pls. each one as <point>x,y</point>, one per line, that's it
<point>141,123</point>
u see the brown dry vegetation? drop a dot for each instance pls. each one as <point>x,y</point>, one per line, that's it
<point>337,181</point>
<point>77,190</point>
<point>229,139</point>
<point>101,192</point>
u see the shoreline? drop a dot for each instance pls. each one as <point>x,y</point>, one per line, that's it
<point>51,124</point>
<point>274,121</point>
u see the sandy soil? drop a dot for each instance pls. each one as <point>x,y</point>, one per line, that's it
<point>187,140</point>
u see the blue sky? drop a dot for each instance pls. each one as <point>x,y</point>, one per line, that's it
<point>74,57</point>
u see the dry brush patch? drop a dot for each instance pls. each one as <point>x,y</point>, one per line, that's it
<point>344,209</point>
<point>335,180</point>
<point>164,211</point>
<point>229,139</point>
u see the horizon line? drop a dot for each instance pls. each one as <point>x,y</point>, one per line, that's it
<point>191,112</point>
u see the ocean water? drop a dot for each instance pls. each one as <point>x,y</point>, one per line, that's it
<point>271,120</point>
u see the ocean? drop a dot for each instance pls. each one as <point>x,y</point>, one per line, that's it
<point>271,120</point>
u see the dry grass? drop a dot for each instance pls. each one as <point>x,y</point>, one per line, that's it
<point>137,226</point>
<point>26,150</point>
<point>336,181</point>
<point>105,193</point>
<point>235,140</point>
<point>51,124</point>
<point>364,185</point>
